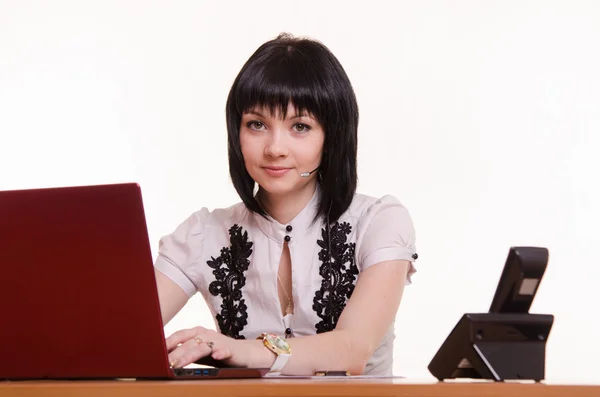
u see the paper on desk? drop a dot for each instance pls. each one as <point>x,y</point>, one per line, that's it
<point>333,377</point>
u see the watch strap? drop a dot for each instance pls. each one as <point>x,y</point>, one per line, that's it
<point>279,363</point>
<point>281,358</point>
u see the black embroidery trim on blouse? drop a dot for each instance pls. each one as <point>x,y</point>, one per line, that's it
<point>229,270</point>
<point>338,277</point>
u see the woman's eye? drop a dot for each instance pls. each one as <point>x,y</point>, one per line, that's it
<point>255,125</point>
<point>301,127</point>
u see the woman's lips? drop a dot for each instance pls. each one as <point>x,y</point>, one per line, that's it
<point>276,171</point>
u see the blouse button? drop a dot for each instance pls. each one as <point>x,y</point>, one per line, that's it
<point>289,228</point>
<point>287,239</point>
<point>415,256</point>
<point>288,331</point>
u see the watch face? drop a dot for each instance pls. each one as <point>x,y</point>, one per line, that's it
<point>280,345</point>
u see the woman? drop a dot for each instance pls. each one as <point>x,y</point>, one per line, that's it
<point>312,269</point>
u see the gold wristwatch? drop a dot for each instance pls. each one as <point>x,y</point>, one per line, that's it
<point>280,347</point>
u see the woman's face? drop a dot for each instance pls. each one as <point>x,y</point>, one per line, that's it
<point>277,150</point>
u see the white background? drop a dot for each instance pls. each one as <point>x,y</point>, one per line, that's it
<point>482,117</point>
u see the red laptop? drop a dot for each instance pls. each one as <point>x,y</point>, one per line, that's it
<point>78,297</point>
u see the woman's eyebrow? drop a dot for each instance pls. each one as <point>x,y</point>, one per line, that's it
<point>299,116</point>
<point>256,113</point>
<point>296,116</point>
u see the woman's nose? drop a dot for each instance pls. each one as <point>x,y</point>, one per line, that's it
<point>276,145</point>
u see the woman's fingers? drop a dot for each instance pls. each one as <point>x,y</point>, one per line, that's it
<point>222,353</point>
<point>189,352</point>
<point>179,337</point>
<point>190,345</point>
<point>183,336</point>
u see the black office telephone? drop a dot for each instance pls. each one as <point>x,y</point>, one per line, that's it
<point>508,342</point>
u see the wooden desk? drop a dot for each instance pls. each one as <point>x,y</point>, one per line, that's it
<point>289,387</point>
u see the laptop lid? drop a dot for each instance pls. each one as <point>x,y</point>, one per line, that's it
<point>78,295</point>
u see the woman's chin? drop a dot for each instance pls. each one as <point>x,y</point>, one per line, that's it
<point>277,187</point>
<point>281,187</point>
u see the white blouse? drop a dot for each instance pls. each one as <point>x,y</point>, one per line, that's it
<point>231,256</point>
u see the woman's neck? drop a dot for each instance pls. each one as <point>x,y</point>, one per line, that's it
<point>285,207</point>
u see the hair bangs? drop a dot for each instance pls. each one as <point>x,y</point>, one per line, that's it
<point>277,83</point>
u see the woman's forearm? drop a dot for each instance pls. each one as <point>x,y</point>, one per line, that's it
<point>329,351</point>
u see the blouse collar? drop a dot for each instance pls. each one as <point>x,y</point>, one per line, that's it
<point>296,228</point>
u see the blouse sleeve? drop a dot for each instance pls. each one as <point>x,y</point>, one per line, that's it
<point>178,251</point>
<point>385,233</point>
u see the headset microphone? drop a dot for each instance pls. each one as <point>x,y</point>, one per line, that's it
<point>307,174</point>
